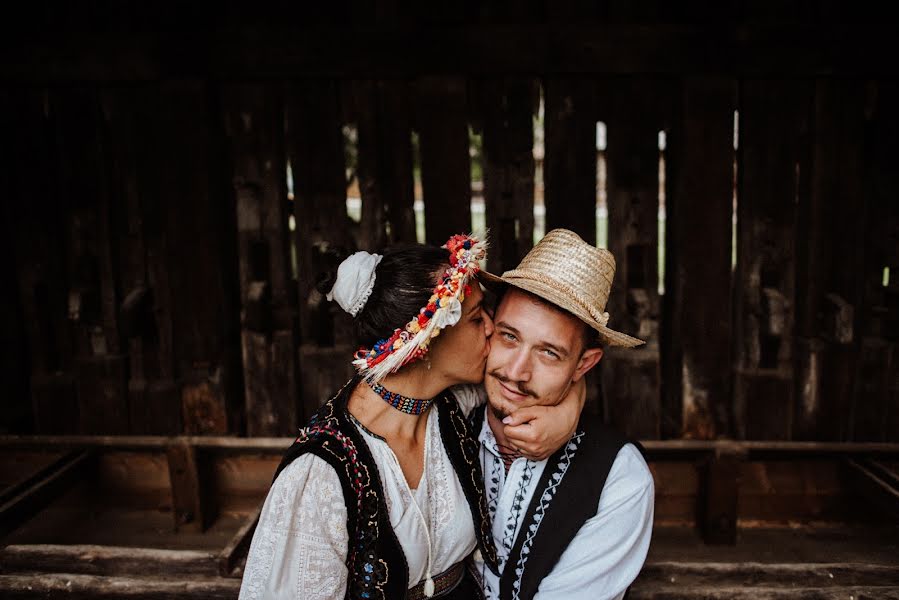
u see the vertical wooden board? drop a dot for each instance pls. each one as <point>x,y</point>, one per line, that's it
<point>878,315</point>
<point>630,392</point>
<point>442,121</point>
<point>135,148</point>
<point>324,231</point>
<point>39,214</point>
<point>200,253</point>
<point>570,160</point>
<point>632,157</point>
<point>101,384</point>
<point>386,182</point>
<point>254,128</point>
<point>829,258</point>
<point>774,162</point>
<point>507,107</point>
<point>189,504</point>
<point>696,340</point>
<point>324,372</point>
<point>14,360</point>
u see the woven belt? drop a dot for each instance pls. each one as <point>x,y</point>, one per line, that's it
<point>443,583</point>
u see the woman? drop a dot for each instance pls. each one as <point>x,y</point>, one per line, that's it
<point>381,496</point>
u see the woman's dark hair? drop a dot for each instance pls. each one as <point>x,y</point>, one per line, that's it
<point>404,282</point>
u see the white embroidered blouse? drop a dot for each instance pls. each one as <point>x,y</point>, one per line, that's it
<point>300,545</point>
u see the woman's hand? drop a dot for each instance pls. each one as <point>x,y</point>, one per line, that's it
<point>538,431</point>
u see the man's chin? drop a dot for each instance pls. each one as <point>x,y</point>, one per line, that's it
<point>499,412</point>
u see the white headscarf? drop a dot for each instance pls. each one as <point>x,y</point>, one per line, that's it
<point>355,281</point>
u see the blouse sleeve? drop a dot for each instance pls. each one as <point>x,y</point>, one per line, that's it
<point>469,396</point>
<point>300,546</point>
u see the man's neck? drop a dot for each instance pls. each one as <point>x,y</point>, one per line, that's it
<point>497,427</point>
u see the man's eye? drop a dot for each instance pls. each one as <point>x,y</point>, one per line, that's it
<point>551,354</point>
<point>508,336</point>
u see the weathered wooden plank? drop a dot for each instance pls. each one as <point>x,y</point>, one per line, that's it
<point>382,113</point>
<point>774,160</point>
<point>697,310</point>
<point>324,232</point>
<point>718,498</point>
<point>442,121</point>
<point>190,497</point>
<point>521,48</point>
<point>751,574</point>
<point>133,150</point>
<point>876,485</point>
<point>39,213</point>
<point>29,501</point>
<point>325,371</point>
<point>106,560</point>
<point>254,127</point>
<point>133,588</point>
<point>634,116</point>
<point>238,546</point>
<point>830,255</point>
<point>569,171</point>
<point>507,107</point>
<point>200,238</point>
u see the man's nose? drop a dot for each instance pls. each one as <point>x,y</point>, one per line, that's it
<point>519,367</point>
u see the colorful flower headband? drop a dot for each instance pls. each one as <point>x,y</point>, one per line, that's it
<point>444,309</point>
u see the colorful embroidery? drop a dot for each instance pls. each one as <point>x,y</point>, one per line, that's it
<point>411,342</point>
<point>545,499</point>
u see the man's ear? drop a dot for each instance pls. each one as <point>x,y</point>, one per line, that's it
<point>587,361</point>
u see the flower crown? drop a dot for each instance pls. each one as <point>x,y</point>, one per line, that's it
<point>444,309</point>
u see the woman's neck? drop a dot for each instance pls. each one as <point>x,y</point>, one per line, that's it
<point>370,409</point>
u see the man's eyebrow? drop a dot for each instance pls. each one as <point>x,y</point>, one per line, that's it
<point>563,352</point>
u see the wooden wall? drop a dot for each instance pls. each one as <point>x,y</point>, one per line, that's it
<point>149,283</point>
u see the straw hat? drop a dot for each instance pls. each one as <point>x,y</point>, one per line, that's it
<point>572,274</point>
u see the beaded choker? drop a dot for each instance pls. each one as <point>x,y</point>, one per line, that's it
<point>412,406</point>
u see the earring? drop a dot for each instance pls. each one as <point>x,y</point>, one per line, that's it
<point>429,364</point>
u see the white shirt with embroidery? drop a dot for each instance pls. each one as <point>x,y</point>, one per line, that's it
<point>608,551</point>
<point>300,546</point>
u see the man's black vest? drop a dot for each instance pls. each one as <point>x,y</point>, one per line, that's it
<point>375,560</point>
<point>566,496</point>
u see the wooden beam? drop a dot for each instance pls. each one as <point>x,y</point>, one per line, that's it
<point>752,574</point>
<point>191,507</point>
<point>718,497</point>
<point>33,478</point>
<point>238,546</point>
<point>507,49</point>
<point>877,484</point>
<point>507,107</point>
<point>131,588</point>
<point>569,170</point>
<point>29,501</point>
<point>697,320</point>
<point>442,121</point>
<point>106,560</point>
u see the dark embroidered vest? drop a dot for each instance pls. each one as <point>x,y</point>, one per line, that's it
<point>566,495</point>
<point>375,560</point>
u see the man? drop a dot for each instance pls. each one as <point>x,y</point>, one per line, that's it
<point>578,524</point>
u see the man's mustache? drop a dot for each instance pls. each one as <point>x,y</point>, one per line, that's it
<point>513,384</point>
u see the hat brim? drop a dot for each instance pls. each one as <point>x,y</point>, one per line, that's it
<point>608,336</point>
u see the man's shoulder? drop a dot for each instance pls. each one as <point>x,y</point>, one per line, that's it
<point>628,463</point>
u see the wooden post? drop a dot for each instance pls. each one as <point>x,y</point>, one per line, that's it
<point>774,164</point>
<point>507,107</point>
<point>829,264</point>
<point>718,498</point>
<point>386,183</point>
<point>442,121</point>
<point>570,161</point>
<point>40,214</point>
<point>697,308</point>
<point>254,126</point>
<point>200,252</point>
<point>324,233</point>
<point>190,498</point>
<point>631,379</point>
